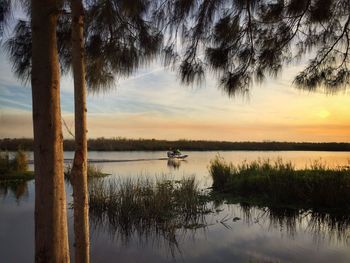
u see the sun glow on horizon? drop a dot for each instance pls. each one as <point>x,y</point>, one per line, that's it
<point>153,104</point>
<point>323,114</point>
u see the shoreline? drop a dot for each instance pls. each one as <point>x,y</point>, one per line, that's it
<point>123,144</point>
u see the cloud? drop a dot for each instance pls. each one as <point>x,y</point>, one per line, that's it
<point>153,104</point>
<point>19,124</point>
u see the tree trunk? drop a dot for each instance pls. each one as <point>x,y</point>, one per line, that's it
<point>79,170</point>
<point>51,237</point>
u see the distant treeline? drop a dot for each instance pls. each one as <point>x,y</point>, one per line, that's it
<point>122,144</point>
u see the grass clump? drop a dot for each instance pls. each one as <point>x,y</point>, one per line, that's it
<point>93,171</point>
<point>15,168</point>
<point>279,183</point>
<point>148,206</point>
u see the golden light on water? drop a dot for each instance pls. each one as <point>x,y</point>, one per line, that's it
<point>323,114</point>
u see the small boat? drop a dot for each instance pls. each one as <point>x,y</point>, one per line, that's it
<point>176,155</point>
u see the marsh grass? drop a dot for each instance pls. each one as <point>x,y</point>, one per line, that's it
<point>15,168</point>
<point>279,183</point>
<point>93,171</point>
<point>148,208</point>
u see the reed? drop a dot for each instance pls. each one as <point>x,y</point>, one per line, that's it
<point>279,183</point>
<point>148,207</point>
<point>15,168</point>
<point>93,171</point>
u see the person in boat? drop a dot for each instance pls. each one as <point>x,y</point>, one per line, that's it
<point>173,153</point>
<point>177,152</point>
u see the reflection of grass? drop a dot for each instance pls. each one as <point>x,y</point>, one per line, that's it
<point>279,183</point>
<point>18,188</point>
<point>163,211</point>
<point>318,224</point>
<point>147,207</point>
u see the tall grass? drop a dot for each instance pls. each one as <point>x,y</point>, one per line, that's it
<point>20,162</point>
<point>93,171</point>
<point>279,182</point>
<point>17,164</point>
<point>148,207</point>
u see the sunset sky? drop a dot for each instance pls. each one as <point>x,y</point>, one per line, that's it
<point>153,104</point>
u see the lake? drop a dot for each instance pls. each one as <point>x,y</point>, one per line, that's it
<point>233,232</point>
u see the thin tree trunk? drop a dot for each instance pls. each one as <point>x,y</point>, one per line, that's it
<point>79,171</point>
<point>51,237</point>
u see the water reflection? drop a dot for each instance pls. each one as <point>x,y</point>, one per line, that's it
<point>151,212</point>
<point>167,238</point>
<point>321,225</point>
<point>324,228</point>
<point>230,233</point>
<point>17,188</point>
<point>175,163</point>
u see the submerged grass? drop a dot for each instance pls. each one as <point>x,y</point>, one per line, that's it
<point>279,183</point>
<point>148,207</point>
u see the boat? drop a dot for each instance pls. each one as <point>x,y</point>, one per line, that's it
<point>176,155</point>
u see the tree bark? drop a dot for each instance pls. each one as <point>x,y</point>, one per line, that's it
<point>79,170</point>
<point>51,237</point>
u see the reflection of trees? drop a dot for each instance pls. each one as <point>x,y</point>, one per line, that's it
<point>18,188</point>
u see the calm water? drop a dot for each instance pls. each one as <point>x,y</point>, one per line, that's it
<point>233,233</point>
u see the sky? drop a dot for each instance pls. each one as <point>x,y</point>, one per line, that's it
<point>152,103</point>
